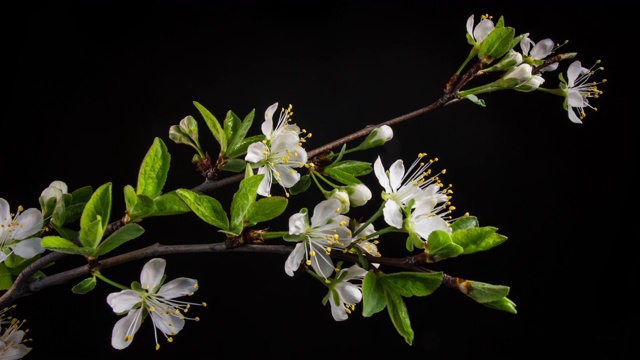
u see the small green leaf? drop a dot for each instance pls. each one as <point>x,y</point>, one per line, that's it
<point>342,176</point>
<point>130,198</point>
<point>373,295</point>
<point>122,235</point>
<point>169,204</point>
<point>143,207</point>
<point>95,216</point>
<point>233,165</point>
<point>497,43</point>
<point>231,125</point>
<point>242,199</point>
<point>504,304</point>
<point>440,247</point>
<point>476,100</point>
<point>301,186</point>
<point>353,167</point>
<point>266,209</point>
<point>58,216</point>
<point>410,284</point>
<point>478,239</point>
<point>241,148</point>
<point>56,243</point>
<point>214,126</point>
<point>465,222</point>
<point>84,286</point>
<point>205,207</point>
<point>154,169</point>
<point>399,316</point>
<point>240,134</point>
<point>81,195</point>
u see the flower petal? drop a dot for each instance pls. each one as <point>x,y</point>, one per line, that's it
<point>267,125</point>
<point>338,311</point>
<point>167,321</point>
<point>123,301</point>
<point>178,287</point>
<point>295,257</point>
<point>152,273</point>
<point>349,293</point>
<point>325,211</point>
<point>255,152</point>
<point>392,214</point>
<point>264,188</point>
<point>29,248</point>
<point>321,263</point>
<point>381,174</point>
<point>125,329</point>
<point>30,222</point>
<point>396,173</point>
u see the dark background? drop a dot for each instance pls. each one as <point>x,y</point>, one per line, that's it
<point>88,85</point>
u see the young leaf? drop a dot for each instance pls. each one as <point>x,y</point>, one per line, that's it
<point>169,204</point>
<point>504,304</point>
<point>81,195</point>
<point>478,239</point>
<point>497,43</point>
<point>233,165</point>
<point>353,167</point>
<point>56,243</point>
<point>240,134</point>
<point>301,186</point>
<point>342,176</point>
<point>245,196</point>
<point>373,297</point>
<point>154,169</point>
<point>143,207</point>
<point>266,209</point>
<point>205,207</point>
<point>409,284</point>
<point>465,222</point>
<point>130,198</point>
<point>6,280</point>
<point>241,148</point>
<point>84,286</point>
<point>483,292</point>
<point>439,246</point>
<point>214,126</point>
<point>231,125</point>
<point>399,316</point>
<point>127,232</point>
<point>95,216</point>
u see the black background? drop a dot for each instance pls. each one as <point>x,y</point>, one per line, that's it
<point>88,85</point>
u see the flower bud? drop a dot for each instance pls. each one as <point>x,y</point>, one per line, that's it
<point>55,190</point>
<point>377,137</point>
<point>512,59</point>
<point>343,197</point>
<point>358,194</point>
<point>522,74</point>
<point>531,85</point>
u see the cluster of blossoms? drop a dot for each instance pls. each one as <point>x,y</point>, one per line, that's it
<point>523,71</point>
<point>280,153</point>
<point>414,201</point>
<point>151,297</point>
<point>12,338</point>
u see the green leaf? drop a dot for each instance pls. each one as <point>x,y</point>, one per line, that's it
<point>410,284</point>
<point>342,176</point>
<point>240,134</point>
<point>497,43</point>
<point>58,215</point>
<point>95,217</point>
<point>242,199</point>
<point>6,280</point>
<point>440,246</point>
<point>214,126</point>
<point>56,243</point>
<point>130,198</point>
<point>504,304</point>
<point>81,195</point>
<point>154,169</point>
<point>266,209</point>
<point>122,235</point>
<point>476,100</point>
<point>483,292</point>
<point>465,222</point>
<point>478,239</point>
<point>373,295</point>
<point>66,232</point>
<point>84,286</point>
<point>231,125</point>
<point>169,204</point>
<point>233,165</point>
<point>143,207</point>
<point>206,208</point>
<point>301,186</point>
<point>399,316</point>
<point>353,167</point>
<point>241,148</point>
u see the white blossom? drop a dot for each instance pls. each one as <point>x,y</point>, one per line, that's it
<point>578,90</point>
<point>480,31</point>
<point>17,232</point>
<point>345,291</point>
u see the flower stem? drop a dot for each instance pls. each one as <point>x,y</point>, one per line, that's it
<point>108,281</point>
<point>371,219</point>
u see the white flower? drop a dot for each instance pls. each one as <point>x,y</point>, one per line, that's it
<point>16,231</point>
<point>539,52</point>
<point>343,197</point>
<point>368,245</point>
<point>521,73</point>
<point>480,31</point>
<point>343,295</point>
<point>280,158</point>
<point>578,90</point>
<point>284,122</point>
<point>532,84</point>
<point>55,190</point>
<point>12,338</point>
<point>358,194</point>
<point>400,188</point>
<point>327,230</point>
<point>149,298</point>
<point>427,217</point>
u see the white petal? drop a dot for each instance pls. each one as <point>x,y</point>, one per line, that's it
<point>426,226</point>
<point>264,188</point>
<point>30,222</point>
<point>60,185</point>
<point>5,213</point>
<point>542,49</point>
<point>167,322</point>
<point>321,262</point>
<point>383,179</point>
<point>470,22</point>
<point>325,211</point>
<point>267,125</point>
<point>355,272</point>
<point>573,72</point>
<point>573,117</point>
<point>338,311</point>
<point>349,293</point>
<point>525,44</point>
<point>178,287</point>
<point>293,261</point>
<point>125,327</point>
<point>482,30</point>
<point>123,301</point>
<point>396,173</point>
<point>298,223</point>
<point>29,248</point>
<point>288,176</point>
<point>574,98</point>
<point>551,67</point>
<point>152,273</point>
<point>255,152</point>
<point>392,214</point>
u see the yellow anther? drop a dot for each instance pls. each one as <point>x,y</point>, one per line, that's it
<point>157,346</point>
<point>170,339</point>
<point>152,309</point>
